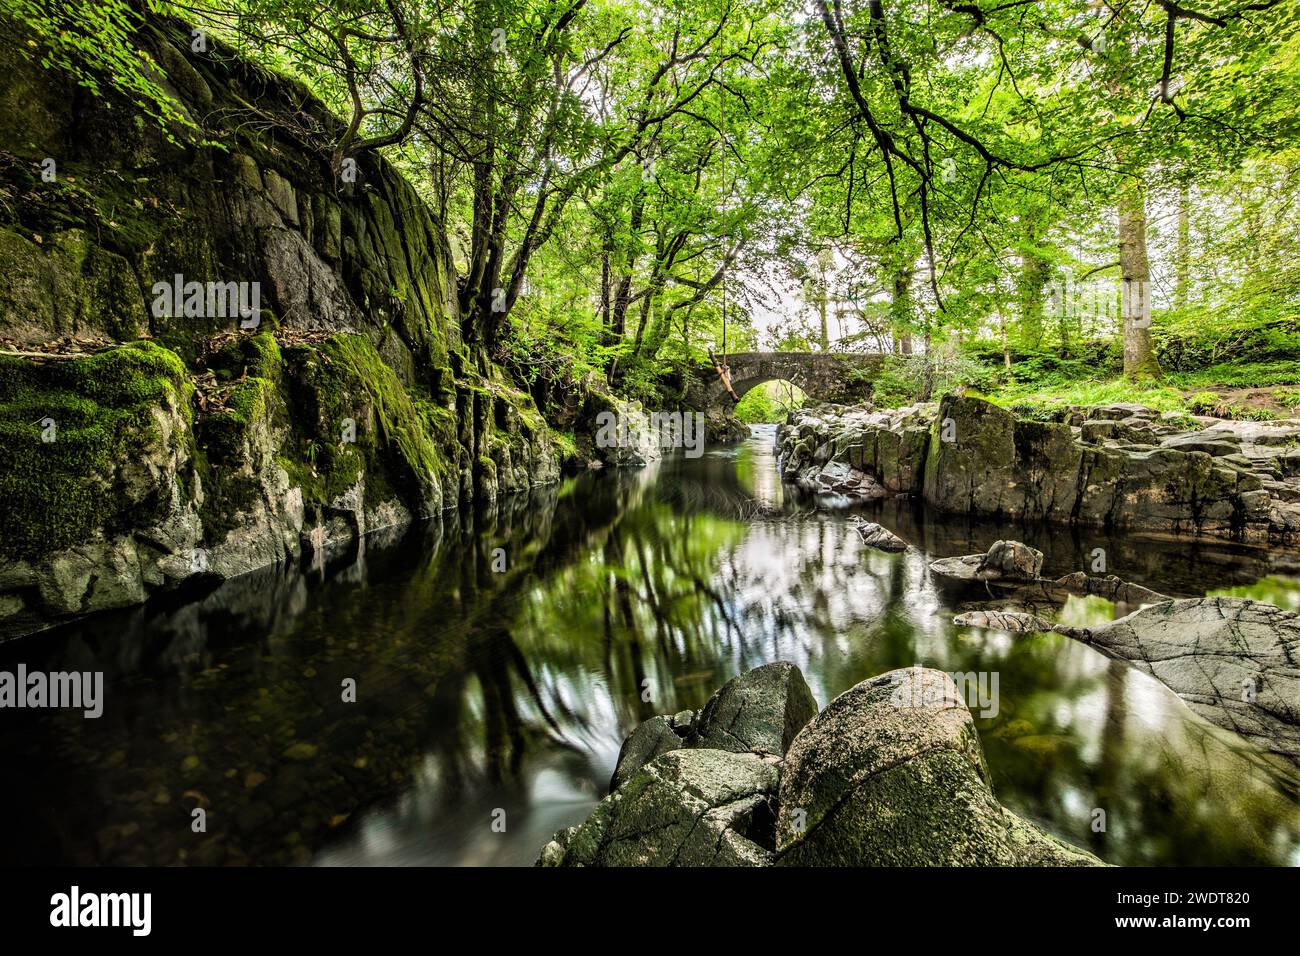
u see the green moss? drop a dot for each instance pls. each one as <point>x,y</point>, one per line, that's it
<point>417,436</point>
<point>227,493</point>
<point>98,411</point>
<point>567,445</point>
<point>222,434</point>
<point>403,441</point>
<point>256,356</point>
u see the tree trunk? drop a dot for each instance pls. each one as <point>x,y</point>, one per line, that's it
<point>1002,327</point>
<point>1183,251</point>
<point>1034,274</point>
<point>825,340</point>
<point>1139,353</point>
<point>900,310</point>
<point>604,291</point>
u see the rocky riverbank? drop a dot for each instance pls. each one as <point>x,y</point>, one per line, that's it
<point>890,773</point>
<point>1121,467</point>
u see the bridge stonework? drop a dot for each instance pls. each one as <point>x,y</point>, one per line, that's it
<point>824,376</point>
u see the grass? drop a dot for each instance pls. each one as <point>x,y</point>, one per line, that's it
<point>1235,375</point>
<point>1043,397</point>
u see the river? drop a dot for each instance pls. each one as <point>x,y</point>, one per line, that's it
<point>499,656</point>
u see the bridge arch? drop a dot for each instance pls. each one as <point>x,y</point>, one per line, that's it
<point>823,376</point>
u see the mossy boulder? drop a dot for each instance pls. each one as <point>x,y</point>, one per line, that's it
<point>648,740</point>
<point>970,462</point>
<point>891,773</point>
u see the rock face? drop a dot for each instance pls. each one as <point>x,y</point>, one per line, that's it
<point>1235,662</point>
<point>648,740</point>
<point>757,712</point>
<point>684,808</point>
<point>1125,467</point>
<point>891,773</point>
<point>212,448</point>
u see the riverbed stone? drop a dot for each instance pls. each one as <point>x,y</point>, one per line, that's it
<point>1015,622</point>
<point>1011,559</point>
<point>759,711</point>
<point>881,538</point>
<point>684,808</point>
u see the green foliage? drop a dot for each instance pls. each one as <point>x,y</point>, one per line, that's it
<point>770,402</point>
<point>917,378</point>
<point>629,186</point>
<point>95,42</point>
<point>1039,403</point>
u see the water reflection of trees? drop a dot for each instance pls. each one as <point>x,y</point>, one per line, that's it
<point>480,687</point>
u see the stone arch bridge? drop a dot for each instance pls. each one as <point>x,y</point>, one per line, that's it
<point>824,376</point>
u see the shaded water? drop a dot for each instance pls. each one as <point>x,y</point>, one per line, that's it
<point>488,696</point>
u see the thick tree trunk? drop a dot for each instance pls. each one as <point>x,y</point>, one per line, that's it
<point>1139,353</point>
<point>1034,274</point>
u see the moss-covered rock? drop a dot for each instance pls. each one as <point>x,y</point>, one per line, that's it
<point>684,808</point>
<point>892,774</point>
<point>352,405</point>
<point>72,430</point>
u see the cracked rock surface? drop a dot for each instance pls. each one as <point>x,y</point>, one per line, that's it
<point>1014,622</point>
<point>684,808</point>
<point>758,711</point>
<point>1235,662</point>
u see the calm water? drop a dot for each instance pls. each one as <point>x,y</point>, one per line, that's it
<point>486,696</point>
